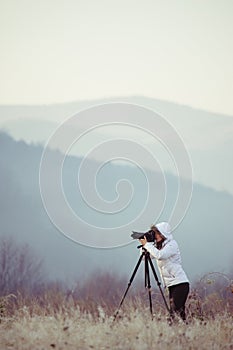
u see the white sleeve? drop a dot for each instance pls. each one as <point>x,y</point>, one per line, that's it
<point>166,252</point>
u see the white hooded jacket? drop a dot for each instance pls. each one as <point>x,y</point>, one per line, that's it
<point>168,257</point>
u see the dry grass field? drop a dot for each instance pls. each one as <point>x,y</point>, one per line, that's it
<point>37,314</point>
<point>63,323</point>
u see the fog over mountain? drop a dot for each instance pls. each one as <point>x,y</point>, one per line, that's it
<point>204,236</point>
<point>207,136</point>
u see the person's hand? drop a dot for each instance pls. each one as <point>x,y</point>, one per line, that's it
<point>143,240</point>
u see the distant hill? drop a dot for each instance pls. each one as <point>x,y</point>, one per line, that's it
<point>207,136</point>
<point>204,236</point>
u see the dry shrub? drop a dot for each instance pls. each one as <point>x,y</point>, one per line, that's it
<point>104,292</point>
<point>83,319</point>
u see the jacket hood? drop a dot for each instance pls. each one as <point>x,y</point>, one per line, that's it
<point>165,229</point>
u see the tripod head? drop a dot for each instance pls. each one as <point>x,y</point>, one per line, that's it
<point>141,246</point>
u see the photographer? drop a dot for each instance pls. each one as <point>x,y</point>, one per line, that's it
<point>165,249</point>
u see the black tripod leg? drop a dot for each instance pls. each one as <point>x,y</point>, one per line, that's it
<point>159,284</point>
<point>147,283</point>
<point>129,284</point>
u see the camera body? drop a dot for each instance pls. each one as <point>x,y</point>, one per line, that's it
<point>150,235</point>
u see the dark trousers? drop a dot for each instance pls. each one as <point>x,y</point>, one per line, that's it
<point>178,295</point>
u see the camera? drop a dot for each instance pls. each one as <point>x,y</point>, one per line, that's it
<point>150,235</point>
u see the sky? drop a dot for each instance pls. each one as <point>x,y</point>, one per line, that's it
<point>55,51</point>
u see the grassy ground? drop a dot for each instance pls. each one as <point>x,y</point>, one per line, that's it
<point>133,330</point>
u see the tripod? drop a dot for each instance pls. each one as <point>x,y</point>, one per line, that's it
<point>145,254</point>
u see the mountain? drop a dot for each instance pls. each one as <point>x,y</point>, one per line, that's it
<point>204,235</point>
<point>207,136</point>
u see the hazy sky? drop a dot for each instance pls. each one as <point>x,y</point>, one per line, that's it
<point>59,51</point>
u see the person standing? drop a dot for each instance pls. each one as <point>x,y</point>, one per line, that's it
<point>166,251</point>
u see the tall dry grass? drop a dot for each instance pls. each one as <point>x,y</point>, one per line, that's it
<point>71,328</point>
<point>60,320</point>
<point>36,314</point>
